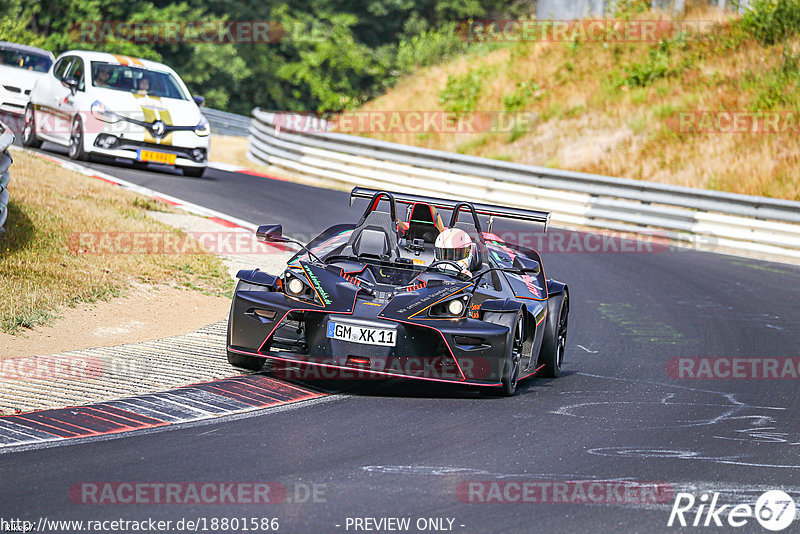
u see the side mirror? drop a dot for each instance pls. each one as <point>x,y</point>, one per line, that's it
<point>271,233</point>
<point>72,83</point>
<point>199,100</point>
<point>527,265</point>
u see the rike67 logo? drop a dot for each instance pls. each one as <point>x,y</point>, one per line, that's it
<point>774,510</point>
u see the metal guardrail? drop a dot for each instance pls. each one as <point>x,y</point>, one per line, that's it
<point>6,139</point>
<point>706,219</point>
<point>225,123</point>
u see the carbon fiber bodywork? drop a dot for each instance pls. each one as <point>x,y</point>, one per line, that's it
<point>393,318</point>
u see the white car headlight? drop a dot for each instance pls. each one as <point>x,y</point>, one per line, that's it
<point>102,113</point>
<point>455,307</point>
<point>295,286</point>
<point>203,128</point>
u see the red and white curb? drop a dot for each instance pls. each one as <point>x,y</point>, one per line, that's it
<point>217,216</point>
<point>243,170</point>
<point>197,402</point>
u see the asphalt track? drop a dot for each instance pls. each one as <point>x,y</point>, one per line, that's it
<point>401,450</point>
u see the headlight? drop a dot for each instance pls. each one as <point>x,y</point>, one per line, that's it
<point>295,286</point>
<point>102,113</point>
<point>453,308</point>
<point>203,128</point>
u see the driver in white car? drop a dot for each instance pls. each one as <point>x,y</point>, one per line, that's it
<point>456,246</point>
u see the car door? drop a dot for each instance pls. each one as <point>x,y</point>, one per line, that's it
<point>68,103</point>
<point>46,100</point>
<point>50,121</point>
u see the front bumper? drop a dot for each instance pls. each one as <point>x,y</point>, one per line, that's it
<point>189,149</point>
<point>13,102</point>
<point>464,351</point>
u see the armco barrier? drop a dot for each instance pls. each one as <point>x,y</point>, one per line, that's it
<point>706,219</point>
<point>6,138</point>
<point>225,123</point>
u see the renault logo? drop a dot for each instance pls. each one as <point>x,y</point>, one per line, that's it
<point>158,128</point>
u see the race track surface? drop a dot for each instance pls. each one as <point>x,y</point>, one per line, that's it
<point>406,450</point>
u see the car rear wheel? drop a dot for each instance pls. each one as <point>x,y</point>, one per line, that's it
<point>29,137</point>
<point>76,150</point>
<point>555,336</point>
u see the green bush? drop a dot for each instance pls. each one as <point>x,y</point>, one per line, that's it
<point>772,21</point>
<point>658,64</point>
<point>517,100</point>
<point>428,48</point>
<point>462,92</point>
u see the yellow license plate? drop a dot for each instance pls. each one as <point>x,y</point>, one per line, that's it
<point>157,157</point>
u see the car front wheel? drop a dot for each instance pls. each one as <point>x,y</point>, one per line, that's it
<point>29,137</point>
<point>515,347</point>
<point>555,336</point>
<point>193,172</point>
<point>76,150</point>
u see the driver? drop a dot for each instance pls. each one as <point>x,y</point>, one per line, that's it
<point>455,245</point>
<point>102,76</point>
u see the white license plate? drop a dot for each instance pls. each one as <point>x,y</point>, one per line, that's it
<point>367,335</point>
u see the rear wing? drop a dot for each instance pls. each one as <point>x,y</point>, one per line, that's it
<point>505,212</point>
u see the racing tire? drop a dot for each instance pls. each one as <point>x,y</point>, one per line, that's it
<point>29,137</point>
<point>243,361</point>
<point>193,172</point>
<point>514,349</point>
<point>76,149</point>
<point>555,336</point>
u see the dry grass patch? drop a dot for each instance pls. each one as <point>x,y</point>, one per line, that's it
<point>612,108</point>
<point>40,272</point>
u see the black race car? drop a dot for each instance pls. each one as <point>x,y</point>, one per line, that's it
<point>370,300</point>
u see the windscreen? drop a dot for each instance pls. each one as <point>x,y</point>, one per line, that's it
<point>392,276</point>
<point>136,80</point>
<point>24,60</point>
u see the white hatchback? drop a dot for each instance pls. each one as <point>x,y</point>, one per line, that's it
<point>20,67</point>
<point>118,107</point>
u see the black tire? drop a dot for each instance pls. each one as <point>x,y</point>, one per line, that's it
<point>76,150</point>
<point>555,336</point>
<point>243,361</point>
<point>29,137</point>
<point>193,172</point>
<point>514,349</point>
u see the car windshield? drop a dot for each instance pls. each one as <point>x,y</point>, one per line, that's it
<point>393,276</point>
<point>24,60</point>
<point>136,80</point>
